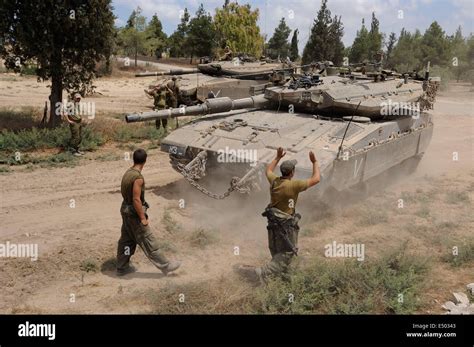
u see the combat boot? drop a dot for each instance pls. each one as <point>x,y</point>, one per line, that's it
<point>128,270</point>
<point>170,267</point>
<point>250,273</point>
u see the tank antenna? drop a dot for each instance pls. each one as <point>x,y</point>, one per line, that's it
<point>427,73</point>
<point>345,132</point>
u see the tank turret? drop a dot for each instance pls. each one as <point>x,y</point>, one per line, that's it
<point>232,78</point>
<point>331,96</point>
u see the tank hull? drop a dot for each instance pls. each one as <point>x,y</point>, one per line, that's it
<point>242,140</point>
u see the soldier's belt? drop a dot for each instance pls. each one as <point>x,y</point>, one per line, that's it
<point>279,216</point>
<point>129,210</point>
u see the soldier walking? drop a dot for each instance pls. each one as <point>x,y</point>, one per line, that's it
<point>135,225</point>
<point>282,220</point>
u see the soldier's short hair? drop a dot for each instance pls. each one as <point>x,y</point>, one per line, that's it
<point>287,167</point>
<point>139,156</point>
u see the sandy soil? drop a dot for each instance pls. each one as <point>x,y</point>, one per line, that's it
<point>113,94</point>
<point>35,208</point>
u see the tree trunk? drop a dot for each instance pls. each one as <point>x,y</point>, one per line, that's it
<point>55,98</point>
<point>136,56</point>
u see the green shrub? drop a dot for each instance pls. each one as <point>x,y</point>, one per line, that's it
<point>89,265</point>
<point>202,238</point>
<point>4,169</point>
<point>387,285</point>
<point>464,254</point>
<point>170,224</point>
<point>371,216</point>
<point>454,197</point>
<point>138,132</point>
<point>29,70</point>
<point>423,212</point>
<point>55,160</point>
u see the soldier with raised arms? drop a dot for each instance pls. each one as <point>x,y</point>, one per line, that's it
<point>281,215</point>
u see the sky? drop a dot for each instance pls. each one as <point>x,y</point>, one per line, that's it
<point>392,14</point>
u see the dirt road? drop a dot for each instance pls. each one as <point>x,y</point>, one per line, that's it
<point>73,216</point>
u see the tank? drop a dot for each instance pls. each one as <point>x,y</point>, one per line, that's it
<point>358,127</point>
<point>220,79</point>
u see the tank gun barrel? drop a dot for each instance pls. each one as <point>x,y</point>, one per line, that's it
<point>167,73</point>
<point>210,106</point>
<point>252,75</point>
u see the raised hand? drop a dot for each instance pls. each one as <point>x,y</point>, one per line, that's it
<point>280,153</point>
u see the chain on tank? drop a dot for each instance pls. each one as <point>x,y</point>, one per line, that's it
<point>196,169</point>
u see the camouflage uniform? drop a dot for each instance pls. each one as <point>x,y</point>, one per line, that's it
<point>133,232</point>
<point>228,54</point>
<point>282,248</point>
<point>282,223</point>
<point>160,97</point>
<point>75,126</point>
<point>173,97</point>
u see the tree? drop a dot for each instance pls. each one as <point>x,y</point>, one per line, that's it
<point>390,45</point>
<point>294,54</point>
<point>201,35</point>
<point>131,20</point>
<point>177,40</point>
<point>375,38</point>
<point>132,38</point>
<point>336,32</point>
<point>155,37</point>
<point>459,61</point>
<point>360,47</point>
<point>325,40</point>
<point>470,59</point>
<point>64,39</point>
<point>435,46</point>
<point>367,43</point>
<point>236,27</point>
<point>278,45</point>
<point>406,55</point>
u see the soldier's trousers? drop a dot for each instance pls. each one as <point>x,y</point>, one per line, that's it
<point>135,233</point>
<point>76,135</point>
<point>161,122</point>
<point>280,250</point>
